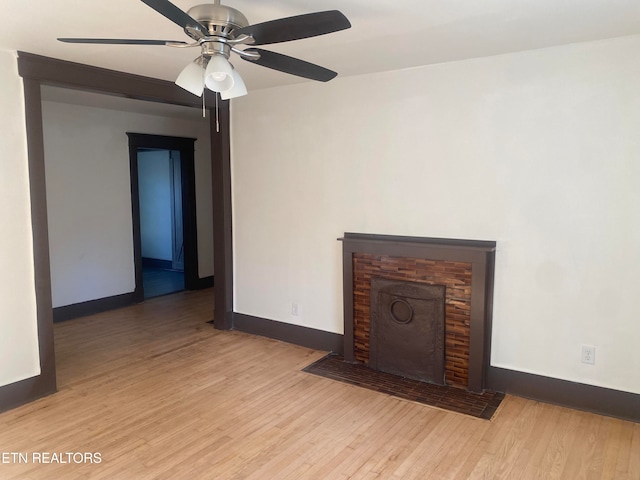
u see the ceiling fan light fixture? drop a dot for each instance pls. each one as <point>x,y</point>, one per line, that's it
<point>238,90</point>
<point>192,77</point>
<point>219,74</point>
<point>218,30</point>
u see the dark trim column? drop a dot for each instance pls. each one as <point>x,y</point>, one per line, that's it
<point>222,225</point>
<point>44,384</point>
<point>42,268</point>
<point>477,328</point>
<point>347,289</point>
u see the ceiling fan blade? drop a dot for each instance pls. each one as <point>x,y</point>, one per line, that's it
<point>295,28</point>
<point>173,13</point>
<point>120,41</point>
<point>294,66</point>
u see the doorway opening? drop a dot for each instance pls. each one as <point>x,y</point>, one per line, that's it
<point>160,198</point>
<point>163,211</point>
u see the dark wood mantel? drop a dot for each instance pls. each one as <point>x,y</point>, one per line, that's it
<point>479,253</point>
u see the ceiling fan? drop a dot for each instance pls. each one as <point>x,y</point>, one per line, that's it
<point>219,30</point>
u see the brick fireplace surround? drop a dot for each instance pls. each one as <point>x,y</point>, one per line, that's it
<point>464,267</point>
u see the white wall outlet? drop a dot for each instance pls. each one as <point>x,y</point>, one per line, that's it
<point>588,354</point>
<point>294,309</point>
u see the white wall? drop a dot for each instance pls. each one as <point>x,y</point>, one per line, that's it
<point>19,358</point>
<point>537,150</point>
<point>89,197</point>
<point>154,182</point>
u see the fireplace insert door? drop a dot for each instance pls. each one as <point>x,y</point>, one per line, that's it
<point>407,329</point>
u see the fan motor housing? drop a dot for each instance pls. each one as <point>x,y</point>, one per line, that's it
<point>220,20</point>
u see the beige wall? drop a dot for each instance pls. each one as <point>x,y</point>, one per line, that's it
<point>89,196</point>
<point>537,150</point>
<point>19,358</point>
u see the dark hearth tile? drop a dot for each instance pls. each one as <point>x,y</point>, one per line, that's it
<point>442,396</point>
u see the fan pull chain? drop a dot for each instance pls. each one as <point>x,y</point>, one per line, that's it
<point>204,110</point>
<point>217,118</point>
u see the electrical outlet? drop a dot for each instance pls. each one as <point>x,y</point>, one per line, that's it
<point>294,309</point>
<point>588,354</point>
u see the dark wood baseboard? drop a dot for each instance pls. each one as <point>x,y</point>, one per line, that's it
<point>91,307</point>
<point>604,401</point>
<point>303,336</point>
<point>27,390</point>
<point>202,283</point>
<point>156,263</point>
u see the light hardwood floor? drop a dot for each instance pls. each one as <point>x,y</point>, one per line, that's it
<point>160,394</point>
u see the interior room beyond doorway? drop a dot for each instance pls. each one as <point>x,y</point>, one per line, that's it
<point>160,195</point>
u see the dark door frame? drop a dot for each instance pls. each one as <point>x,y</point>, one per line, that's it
<point>37,70</point>
<point>189,225</point>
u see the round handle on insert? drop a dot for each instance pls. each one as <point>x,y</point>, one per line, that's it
<point>401,312</point>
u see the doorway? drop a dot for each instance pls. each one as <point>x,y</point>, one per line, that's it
<point>36,71</point>
<point>161,227</point>
<point>163,212</point>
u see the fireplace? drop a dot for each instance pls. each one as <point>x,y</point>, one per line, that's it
<point>461,270</point>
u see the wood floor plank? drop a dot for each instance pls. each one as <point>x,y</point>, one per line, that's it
<point>557,451</point>
<point>497,440</point>
<point>625,455</point>
<point>160,394</point>
<point>586,453</point>
<point>634,457</point>
<point>425,458</point>
<point>540,435</point>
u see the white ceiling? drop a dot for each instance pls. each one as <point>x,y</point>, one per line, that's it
<point>386,34</point>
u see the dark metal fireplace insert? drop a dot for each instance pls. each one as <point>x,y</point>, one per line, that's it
<point>407,329</point>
